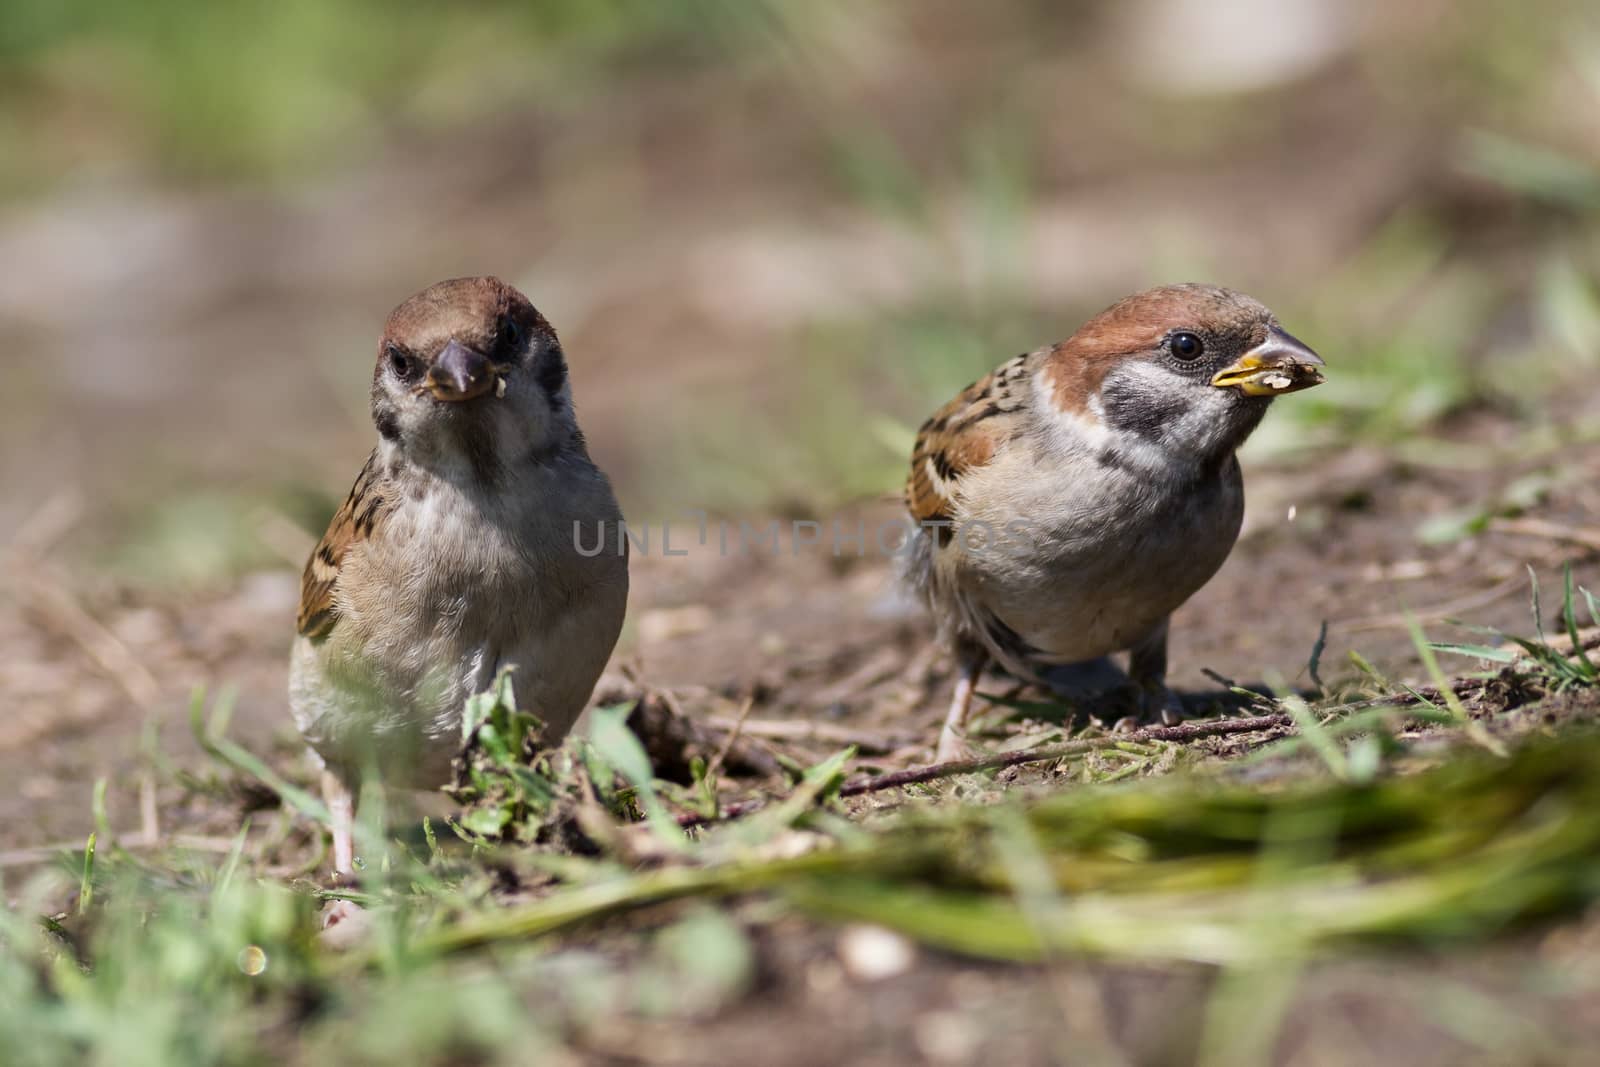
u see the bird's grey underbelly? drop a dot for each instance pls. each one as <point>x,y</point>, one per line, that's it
<point>1099,580</point>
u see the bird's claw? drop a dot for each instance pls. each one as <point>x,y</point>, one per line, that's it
<point>953,746</point>
<point>1157,702</point>
<point>344,924</point>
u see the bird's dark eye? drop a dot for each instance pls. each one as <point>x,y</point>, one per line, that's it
<point>1186,346</point>
<point>510,333</point>
<point>402,365</point>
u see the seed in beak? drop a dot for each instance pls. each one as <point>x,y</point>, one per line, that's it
<point>500,388</point>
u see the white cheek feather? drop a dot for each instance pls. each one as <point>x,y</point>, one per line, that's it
<point>1075,430</point>
<point>1088,434</point>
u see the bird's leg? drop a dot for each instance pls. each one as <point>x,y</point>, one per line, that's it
<point>344,922</point>
<point>341,812</point>
<point>952,738</point>
<point>1147,669</point>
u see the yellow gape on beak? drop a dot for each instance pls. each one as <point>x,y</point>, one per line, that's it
<point>1280,364</point>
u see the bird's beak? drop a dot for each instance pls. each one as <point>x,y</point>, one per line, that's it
<point>1280,364</point>
<point>460,373</point>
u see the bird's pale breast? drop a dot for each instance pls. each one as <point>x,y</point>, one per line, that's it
<point>1091,558</point>
<point>453,590</point>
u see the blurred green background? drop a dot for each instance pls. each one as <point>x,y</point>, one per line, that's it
<point>773,235</point>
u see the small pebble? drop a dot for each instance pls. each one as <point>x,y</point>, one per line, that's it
<point>872,953</point>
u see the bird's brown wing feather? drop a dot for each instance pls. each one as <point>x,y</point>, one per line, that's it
<point>964,434</point>
<point>353,522</point>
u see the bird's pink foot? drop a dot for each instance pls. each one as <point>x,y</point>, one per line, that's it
<point>344,924</point>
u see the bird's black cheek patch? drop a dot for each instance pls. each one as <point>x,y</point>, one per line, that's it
<point>1142,411</point>
<point>388,423</point>
<point>552,371</point>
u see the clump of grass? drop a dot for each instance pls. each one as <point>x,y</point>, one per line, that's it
<point>1168,872</point>
<point>1559,669</point>
<point>514,789</point>
<point>507,788</point>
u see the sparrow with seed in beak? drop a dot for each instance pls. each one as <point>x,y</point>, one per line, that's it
<point>456,553</point>
<point>1069,502</point>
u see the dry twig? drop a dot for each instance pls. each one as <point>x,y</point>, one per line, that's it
<point>1549,531</point>
<point>1188,731</point>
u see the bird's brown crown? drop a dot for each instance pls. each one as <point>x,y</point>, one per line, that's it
<point>472,311</point>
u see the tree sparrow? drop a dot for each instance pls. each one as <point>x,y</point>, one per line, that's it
<point>456,553</point>
<point>1069,502</point>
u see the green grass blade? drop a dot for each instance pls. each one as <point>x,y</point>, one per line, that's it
<point>86,881</point>
<point>230,866</point>
<point>243,759</point>
<point>1569,616</point>
<point>102,821</point>
<point>1473,728</point>
<point>617,745</point>
<point>1485,652</point>
<point>1538,615</point>
<point>1317,736</point>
